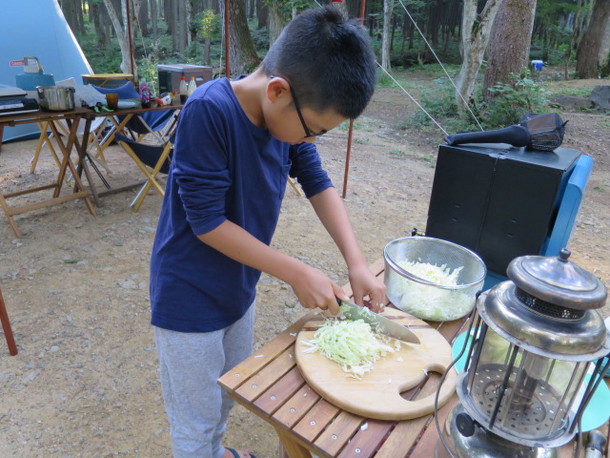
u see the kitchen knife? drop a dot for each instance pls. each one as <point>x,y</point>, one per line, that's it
<point>380,323</point>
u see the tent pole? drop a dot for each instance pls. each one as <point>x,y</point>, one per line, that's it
<point>362,11</point>
<point>132,60</point>
<point>351,121</point>
<point>347,155</point>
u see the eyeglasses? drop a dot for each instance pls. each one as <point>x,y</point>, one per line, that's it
<point>308,132</point>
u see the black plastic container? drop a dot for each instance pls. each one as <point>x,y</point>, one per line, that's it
<point>496,200</point>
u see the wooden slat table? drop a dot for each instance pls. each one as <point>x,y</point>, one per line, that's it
<point>269,384</point>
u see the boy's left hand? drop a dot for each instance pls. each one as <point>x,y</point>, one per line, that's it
<point>366,285</point>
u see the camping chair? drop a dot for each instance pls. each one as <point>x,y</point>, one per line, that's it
<point>155,157</point>
<point>6,325</point>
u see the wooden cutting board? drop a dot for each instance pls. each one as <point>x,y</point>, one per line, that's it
<point>377,394</point>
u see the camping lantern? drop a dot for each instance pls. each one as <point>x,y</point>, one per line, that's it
<point>526,381</point>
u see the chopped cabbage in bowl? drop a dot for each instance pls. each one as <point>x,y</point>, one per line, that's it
<point>428,301</point>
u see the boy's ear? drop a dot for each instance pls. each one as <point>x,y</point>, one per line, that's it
<point>276,88</point>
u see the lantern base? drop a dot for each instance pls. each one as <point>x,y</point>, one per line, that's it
<point>473,441</point>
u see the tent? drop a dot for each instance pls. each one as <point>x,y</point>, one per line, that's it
<point>37,28</point>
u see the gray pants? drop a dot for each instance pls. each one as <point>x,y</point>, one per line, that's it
<point>190,365</point>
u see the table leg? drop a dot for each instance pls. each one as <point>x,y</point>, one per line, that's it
<point>44,138</point>
<point>291,448</point>
<point>6,325</point>
<point>9,216</point>
<point>82,161</point>
<point>79,189</point>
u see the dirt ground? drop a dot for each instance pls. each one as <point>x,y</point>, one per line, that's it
<point>76,286</point>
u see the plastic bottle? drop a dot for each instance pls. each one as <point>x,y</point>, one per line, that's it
<point>145,93</point>
<point>183,89</point>
<point>192,86</point>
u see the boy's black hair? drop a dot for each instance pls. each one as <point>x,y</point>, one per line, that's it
<point>327,60</point>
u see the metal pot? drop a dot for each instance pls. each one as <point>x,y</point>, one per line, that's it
<point>54,98</point>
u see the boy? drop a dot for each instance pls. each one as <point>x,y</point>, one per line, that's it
<point>236,143</point>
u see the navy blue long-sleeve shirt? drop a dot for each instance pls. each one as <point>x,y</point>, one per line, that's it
<point>223,168</point>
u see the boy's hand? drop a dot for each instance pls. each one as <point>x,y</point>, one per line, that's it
<point>365,284</point>
<point>314,289</point>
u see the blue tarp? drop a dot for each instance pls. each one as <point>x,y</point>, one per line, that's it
<point>37,28</point>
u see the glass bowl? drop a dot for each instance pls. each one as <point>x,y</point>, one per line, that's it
<point>432,279</point>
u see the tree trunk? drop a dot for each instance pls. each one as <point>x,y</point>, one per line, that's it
<point>475,36</point>
<point>275,22</point>
<point>188,16</point>
<point>388,5</point>
<point>578,20</point>
<point>262,14</point>
<point>73,13</point>
<point>353,8</point>
<point>144,20</point>
<point>99,17</point>
<point>509,45</point>
<point>243,56</point>
<point>127,65</point>
<point>393,32</point>
<point>154,19</point>
<point>604,49</point>
<point>587,56</point>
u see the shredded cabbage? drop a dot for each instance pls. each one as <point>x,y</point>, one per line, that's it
<point>429,302</point>
<point>352,344</point>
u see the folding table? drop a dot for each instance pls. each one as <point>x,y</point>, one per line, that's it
<point>66,145</point>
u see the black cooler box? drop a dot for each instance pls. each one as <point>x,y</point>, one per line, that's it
<point>497,200</point>
<point>169,75</point>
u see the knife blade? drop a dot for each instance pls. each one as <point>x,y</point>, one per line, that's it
<point>380,323</point>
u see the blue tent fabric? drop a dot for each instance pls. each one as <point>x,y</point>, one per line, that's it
<point>37,28</point>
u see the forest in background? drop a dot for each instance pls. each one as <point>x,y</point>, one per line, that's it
<point>464,35</point>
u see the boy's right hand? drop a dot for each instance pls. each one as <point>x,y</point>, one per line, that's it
<point>315,290</point>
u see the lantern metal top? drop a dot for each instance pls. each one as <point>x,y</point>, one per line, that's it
<point>558,281</point>
<point>582,339</point>
<point>547,308</point>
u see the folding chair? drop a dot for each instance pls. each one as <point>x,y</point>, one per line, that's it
<point>146,156</point>
<point>6,325</point>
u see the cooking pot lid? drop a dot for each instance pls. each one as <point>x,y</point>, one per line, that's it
<point>558,281</point>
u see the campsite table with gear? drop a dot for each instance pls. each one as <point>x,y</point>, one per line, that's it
<point>269,384</point>
<point>67,144</point>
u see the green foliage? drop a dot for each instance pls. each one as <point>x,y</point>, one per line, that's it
<point>103,59</point>
<point>511,101</point>
<point>439,102</point>
<point>397,154</point>
<point>208,23</point>
<point>260,38</point>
